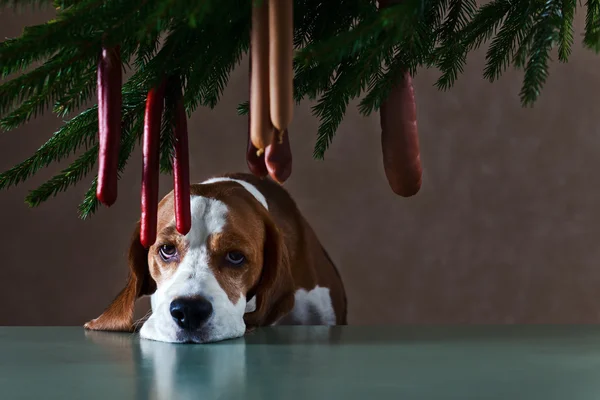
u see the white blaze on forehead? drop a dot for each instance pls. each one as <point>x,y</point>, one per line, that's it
<point>209,216</point>
<point>248,186</point>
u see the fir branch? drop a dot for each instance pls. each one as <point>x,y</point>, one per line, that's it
<point>79,94</point>
<point>450,56</point>
<point>79,131</point>
<point>451,60</point>
<point>415,42</point>
<point>46,82</point>
<point>484,24</point>
<point>458,16</point>
<point>78,89</point>
<point>521,55</point>
<point>546,28</point>
<point>218,78</point>
<point>66,178</point>
<point>361,35</point>
<point>311,79</point>
<point>167,139</point>
<point>352,77</point>
<point>90,204</point>
<point>331,109</point>
<point>566,30</point>
<point>591,38</point>
<point>503,47</point>
<point>319,25</point>
<point>380,86</point>
<point>243,108</point>
<point>39,42</point>
<point>208,75</point>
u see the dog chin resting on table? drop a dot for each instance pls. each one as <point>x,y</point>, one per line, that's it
<point>249,260</point>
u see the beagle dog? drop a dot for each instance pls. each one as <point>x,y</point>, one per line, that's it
<point>249,260</point>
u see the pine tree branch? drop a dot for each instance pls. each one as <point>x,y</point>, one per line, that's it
<point>243,108</point>
<point>79,131</point>
<point>79,94</point>
<point>380,86</point>
<point>464,30</point>
<point>167,139</point>
<point>591,38</point>
<point>450,56</point>
<point>45,82</point>
<point>503,47</point>
<point>352,77</point>
<point>484,24</point>
<point>77,89</point>
<point>546,32</point>
<point>39,42</point>
<point>566,30</point>
<point>66,178</point>
<point>206,80</point>
<point>331,109</point>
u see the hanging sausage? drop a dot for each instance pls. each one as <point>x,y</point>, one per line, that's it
<point>150,165</point>
<point>181,168</point>
<point>109,81</point>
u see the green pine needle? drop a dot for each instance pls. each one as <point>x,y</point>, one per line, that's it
<point>485,23</point>
<point>545,34</point>
<point>79,131</point>
<point>592,25</point>
<point>450,56</point>
<point>243,108</point>
<point>380,87</point>
<point>566,30</point>
<point>90,203</point>
<point>503,47</point>
<point>66,178</point>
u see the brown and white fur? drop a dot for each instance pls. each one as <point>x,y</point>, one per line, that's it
<point>287,278</point>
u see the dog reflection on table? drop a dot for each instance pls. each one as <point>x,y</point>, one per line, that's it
<point>264,364</point>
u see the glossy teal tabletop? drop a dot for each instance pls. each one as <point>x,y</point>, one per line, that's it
<point>288,363</point>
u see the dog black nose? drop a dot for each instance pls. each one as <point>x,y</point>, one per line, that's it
<point>191,313</point>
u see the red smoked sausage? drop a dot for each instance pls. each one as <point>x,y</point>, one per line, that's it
<point>150,168</point>
<point>109,124</point>
<point>281,57</point>
<point>261,133</point>
<point>278,158</point>
<point>181,170</point>
<point>256,163</point>
<point>400,139</point>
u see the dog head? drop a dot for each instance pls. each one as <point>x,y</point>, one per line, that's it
<point>230,273</point>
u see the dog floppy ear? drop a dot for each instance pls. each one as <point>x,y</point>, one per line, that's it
<point>275,289</point>
<point>119,314</point>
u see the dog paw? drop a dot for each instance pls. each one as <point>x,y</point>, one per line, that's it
<point>92,325</point>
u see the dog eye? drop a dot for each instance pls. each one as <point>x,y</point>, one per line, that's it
<point>235,257</point>
<point>167,251</point>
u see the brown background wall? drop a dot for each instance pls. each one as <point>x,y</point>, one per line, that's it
<point>504,230</point>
